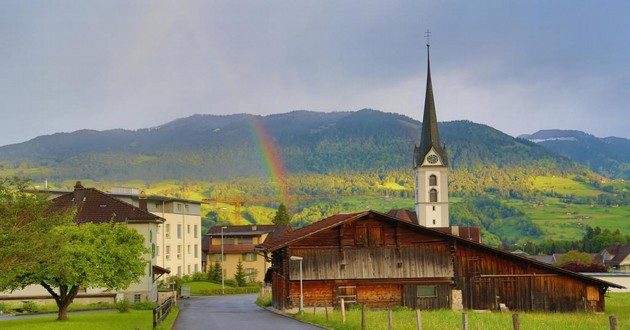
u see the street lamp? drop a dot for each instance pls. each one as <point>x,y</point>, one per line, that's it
<point>296,258</point>
<point>222,263</point>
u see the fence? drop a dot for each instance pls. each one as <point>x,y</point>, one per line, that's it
<point>389,318</point>
<point>161,312</point>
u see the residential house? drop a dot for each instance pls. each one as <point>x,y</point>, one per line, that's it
<point>239,243</point>
<point>381,261</point>
<point>96,206</point>
<point>617,257</point>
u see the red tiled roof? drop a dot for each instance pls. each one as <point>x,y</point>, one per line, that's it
<point>329,222</point>
<point>95,206</point>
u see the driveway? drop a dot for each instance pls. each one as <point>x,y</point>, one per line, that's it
<point>232,312</point>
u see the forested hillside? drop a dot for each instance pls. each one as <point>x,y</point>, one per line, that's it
<point>608,156</point>
<point>210,148</point>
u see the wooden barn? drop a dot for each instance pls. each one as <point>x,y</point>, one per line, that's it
<point>381,261</point>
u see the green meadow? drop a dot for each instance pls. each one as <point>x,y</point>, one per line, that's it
<point>106,320</point>
<point>617,304</point>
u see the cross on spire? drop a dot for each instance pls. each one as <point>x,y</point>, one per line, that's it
<point>428,36</point>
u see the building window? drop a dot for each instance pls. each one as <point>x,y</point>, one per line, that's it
<point>179,252</point>
<point>137,298</point>
<point>433,207</point>
<point>217,257</point>
<point>188,249</point>
<point>186,207</point>
<point>179,230</point>
<point>249,256</point>
<point>179,207</point>
<point>426,291</point>
<point>167,231</point>
<point>433,196</point>
<point>167,252</point>
<point>187,229</point>
<point>195,231</point>
<point>196,251</point>
<point>196,268</point>
<point>157,250</point>
<point>179,271</point>
<point>433,180</point>
<point>245,240</point>
<point>188,269</point>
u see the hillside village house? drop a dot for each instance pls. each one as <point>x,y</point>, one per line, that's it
<point>239,244</point>
<point>178,239</point>
<point>381,261</point>
<point>174,235</point>
<point>98,207</point>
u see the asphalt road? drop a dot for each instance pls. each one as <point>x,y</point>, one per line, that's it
<point>230,313</point>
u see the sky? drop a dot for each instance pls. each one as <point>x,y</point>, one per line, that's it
<point>518,66</point>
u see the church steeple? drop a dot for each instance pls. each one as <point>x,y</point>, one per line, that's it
<point>430,137</point>
<point>431,165</point>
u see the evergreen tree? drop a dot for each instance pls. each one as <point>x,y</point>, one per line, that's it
<point>240,276</point>
<point>282,216</point>
<point>214,275</point>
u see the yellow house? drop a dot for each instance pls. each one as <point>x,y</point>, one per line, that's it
<point>238,244</point>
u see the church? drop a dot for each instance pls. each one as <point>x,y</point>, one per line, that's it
<point>415,259</point>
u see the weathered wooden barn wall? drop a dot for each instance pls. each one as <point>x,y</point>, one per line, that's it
<point>383,262</point>
<point>489,279</point>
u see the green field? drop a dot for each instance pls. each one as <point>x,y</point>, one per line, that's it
<point>94,321</point>
<point>618,304</point>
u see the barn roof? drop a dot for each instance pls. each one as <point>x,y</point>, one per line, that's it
<point>340,219</point>
<point>95,206</point>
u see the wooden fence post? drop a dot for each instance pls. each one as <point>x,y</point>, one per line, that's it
<point>464,321</point>
<point>613,322</point>
<point>362,316</point>
<point>326,309</point>
<point>516,322</point>
<point>343,311</point>
<point>419,319</point>
<point>389,319</point>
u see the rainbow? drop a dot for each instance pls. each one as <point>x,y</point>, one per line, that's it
<point>269,155</point>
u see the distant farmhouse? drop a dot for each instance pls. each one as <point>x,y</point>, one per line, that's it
<point>417,260</point>
<point>171,228</point>
<point>237,243</point>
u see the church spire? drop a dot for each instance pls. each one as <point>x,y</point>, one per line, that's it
<point>430,137</point>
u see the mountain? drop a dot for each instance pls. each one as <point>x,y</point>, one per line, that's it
<point>609,156</point>
<point>210,147</point>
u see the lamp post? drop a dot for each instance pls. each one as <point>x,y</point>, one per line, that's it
<point>222,262</point>
<point>296,258</point>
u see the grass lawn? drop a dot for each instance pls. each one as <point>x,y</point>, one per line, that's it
<point>93,321</point>
<point>618,304</point>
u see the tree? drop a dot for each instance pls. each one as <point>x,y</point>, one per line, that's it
<point>25,226</point>
<point>282,216</point>
<point>575,257</point>
<point>214,275</point>
<point>240,276</point>
<point>109,255</point>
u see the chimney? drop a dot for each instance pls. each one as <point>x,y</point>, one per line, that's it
<point>78,185</point>
<point>142,201</point>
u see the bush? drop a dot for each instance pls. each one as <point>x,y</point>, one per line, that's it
<point>230,282</point>
<point>4,307</point>
<point>264,300</point>
<point>200,276</point>
<point>144,305</point>
<point>186,278</point>
<point>228,290</point>
<point>30,307</point>
<point>124,306</point>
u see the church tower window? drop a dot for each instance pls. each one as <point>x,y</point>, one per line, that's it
<point>433,180</point>
<point>433,196</point>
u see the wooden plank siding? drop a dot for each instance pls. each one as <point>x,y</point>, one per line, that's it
<point>489,279</point>
<point>386,262</point>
